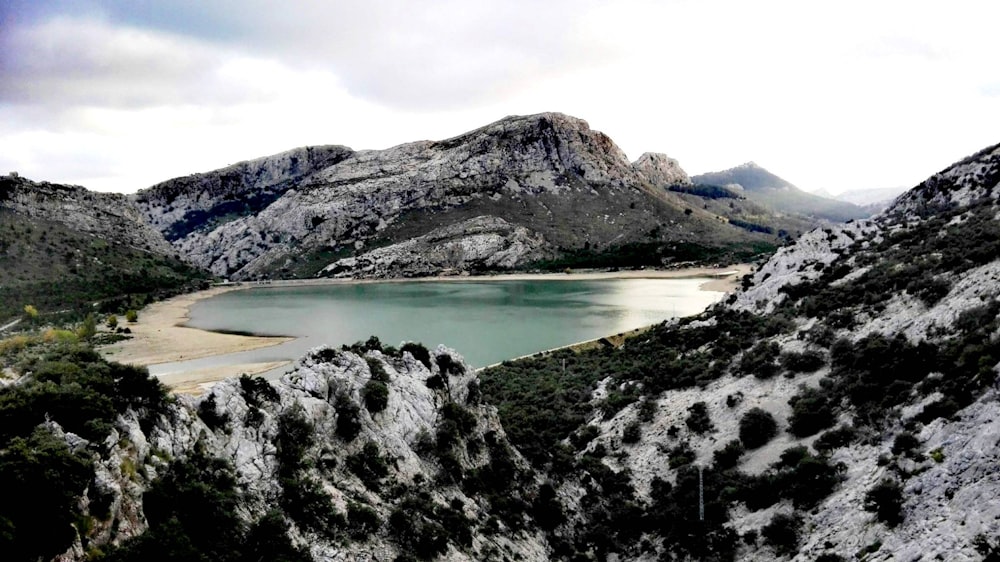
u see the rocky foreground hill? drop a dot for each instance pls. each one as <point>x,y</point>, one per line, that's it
<point>523,190</point>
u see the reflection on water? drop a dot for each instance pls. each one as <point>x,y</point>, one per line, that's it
<point>487,321</point>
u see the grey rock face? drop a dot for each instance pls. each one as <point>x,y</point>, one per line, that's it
<point>549,173</point>
<point>316,389</point>
<point>661,169</point>
<point>480,243</point>
<point>107,216</point>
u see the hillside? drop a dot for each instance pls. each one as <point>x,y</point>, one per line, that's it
<point>540,190</point>
<point>842,405</point>
<point>64,247</point>
<point>763,187</point>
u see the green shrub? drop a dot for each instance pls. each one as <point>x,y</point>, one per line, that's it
<point>449,366</point>
<point>632,433</point>
<point>208,411</point>
<point>885,499</point>
<point>376,396</point>
<point>782,533</point>
<point>835,438</point>
<point>418,351</point>
<point>369,466</point>
<point>44,482</point>
<point>362,521</point>
<point>698,420</point>
<point>905,443</point>
<point>760,360</point>
<point>377,370</point>
<point>348,418</point>
<point>811,412</point>
<point>728,456</point>
<point>681,455</point>
<point>257,391</point>
<point>757,427</point>
<point>806,362</point>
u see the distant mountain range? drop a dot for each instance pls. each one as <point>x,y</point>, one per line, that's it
<point>763,187</point>
<point>526,192</point>
<point>534,191</point>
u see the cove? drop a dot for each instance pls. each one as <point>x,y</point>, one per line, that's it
<point>484,321</point>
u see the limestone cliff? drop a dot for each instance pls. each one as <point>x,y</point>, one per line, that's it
<point>569,186</point>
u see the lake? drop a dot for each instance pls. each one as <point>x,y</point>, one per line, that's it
<point>485,321</point>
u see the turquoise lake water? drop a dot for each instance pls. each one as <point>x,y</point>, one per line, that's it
<point>485,321</point>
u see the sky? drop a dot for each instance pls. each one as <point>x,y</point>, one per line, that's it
<point>120,95</point>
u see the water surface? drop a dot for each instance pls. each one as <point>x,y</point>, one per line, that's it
<point>485,321</point>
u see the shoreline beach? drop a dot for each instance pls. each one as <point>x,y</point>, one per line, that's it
<point>160,335</point>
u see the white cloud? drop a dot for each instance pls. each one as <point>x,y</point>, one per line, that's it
<point>836,96</point>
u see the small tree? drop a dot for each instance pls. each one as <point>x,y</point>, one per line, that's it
<point>30,312</point>
<point>88,328</point>
<point>376,395</point>
<point>698,420</point>
<point>757,427</point>
<point>132,316</point>
<point>886,501</point>
<point>782,533</point>
<point>112,321</point>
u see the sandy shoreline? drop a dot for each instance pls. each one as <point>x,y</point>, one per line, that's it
<point>161,337</point>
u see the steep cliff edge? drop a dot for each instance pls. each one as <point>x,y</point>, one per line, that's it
<point>571,187</point>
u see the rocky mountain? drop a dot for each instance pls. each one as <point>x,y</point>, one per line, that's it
<point>842,405</point>
<point>548,180</point>
<point>62,246</point>
<point>765,188</point>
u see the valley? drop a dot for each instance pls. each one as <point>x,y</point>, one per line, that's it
<point>839,403</point>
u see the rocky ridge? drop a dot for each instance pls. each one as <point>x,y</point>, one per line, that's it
<point>106,216</point>
<point>569,185</point>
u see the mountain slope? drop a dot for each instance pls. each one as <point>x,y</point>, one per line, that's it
<point>570,187</point>
<point>844,404</point>
<point>62,246</point>
<point>768,189</point>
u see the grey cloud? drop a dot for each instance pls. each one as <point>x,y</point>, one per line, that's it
<point>403,54</point>
<point>71,62</point>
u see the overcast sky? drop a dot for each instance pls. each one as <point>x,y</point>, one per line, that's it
<point>119,95</point>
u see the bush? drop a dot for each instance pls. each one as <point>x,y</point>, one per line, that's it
<point>757,427</point>
<point>698,420</point>
<point>376,395</point>
<point>348,418</point>
<point>811,412</point>
<point>377,370</point>
<point>418,351</point>
<point>760,360</point>
<point>208,411</point>
<point>362,520</point>
<point>257,391</point>
<point>728,456</point>
<point>681,455</point>
<point>132,316</point>
<point>43,482</point>
<point>782,533</point>
<point>905,443</point>
<point>805,362</point>
<point>632,433</point>
<point>885,499</point>
<point>834,439</point>
<point>449,366</point>
<point>369,466</point>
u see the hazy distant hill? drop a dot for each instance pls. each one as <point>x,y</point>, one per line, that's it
<point>542,189</point>
<point>768,189</point>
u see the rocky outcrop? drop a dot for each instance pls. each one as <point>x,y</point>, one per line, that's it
<point>567,184</point>
<point>479,244</point>
<point>244,425</point>
<point>111,217</point>
<point>661,170</point>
